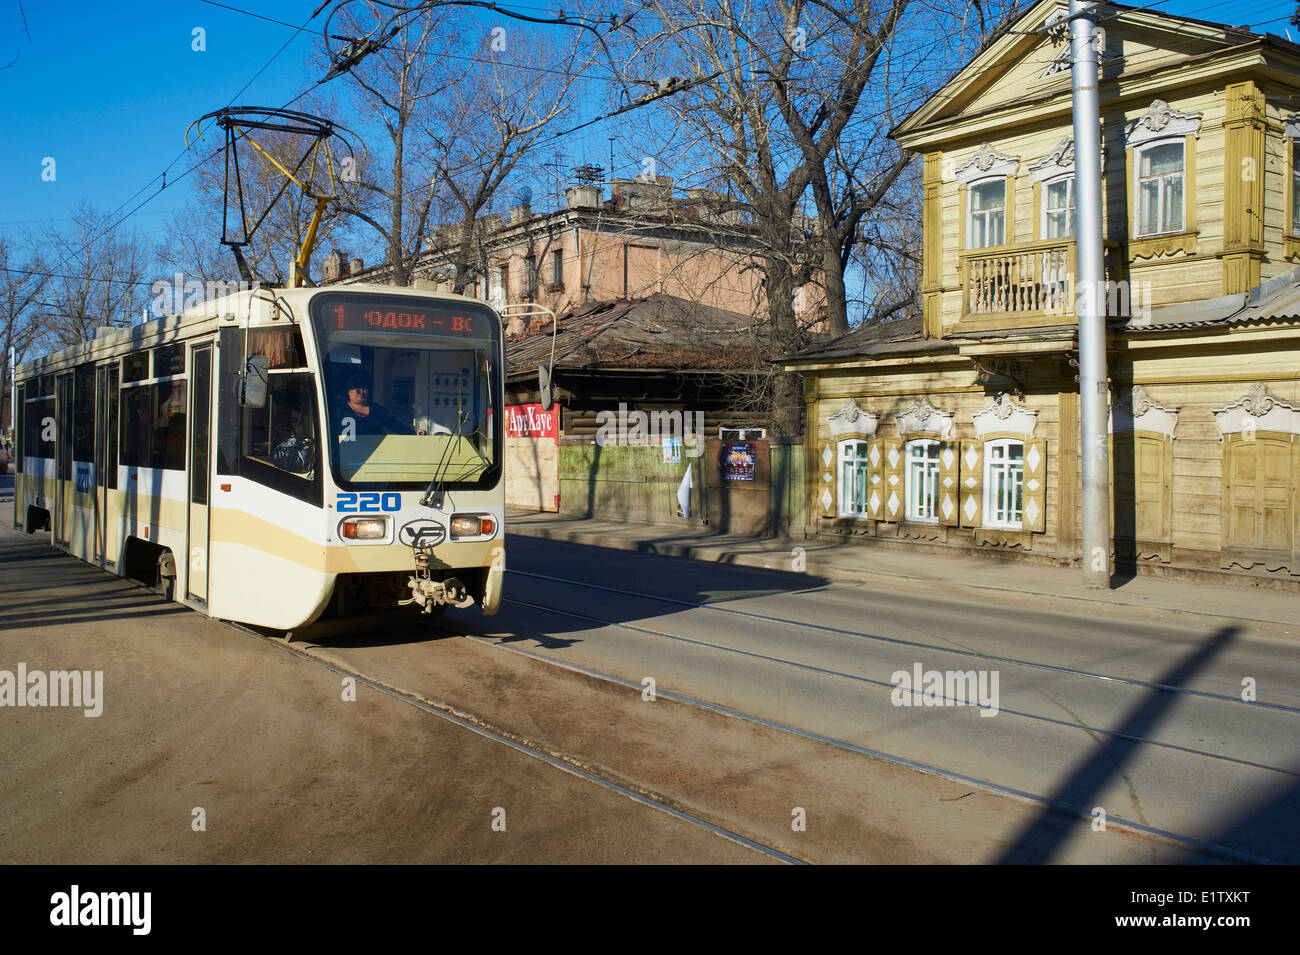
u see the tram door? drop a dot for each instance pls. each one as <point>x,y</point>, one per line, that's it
<point>62,517</point>
<point>200,443</point>
<point>105,457</point>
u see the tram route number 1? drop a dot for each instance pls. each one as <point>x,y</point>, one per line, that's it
<point>368,502</point>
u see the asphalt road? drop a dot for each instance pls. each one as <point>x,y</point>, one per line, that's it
<point>770,733</point>
<point>1138,714</point>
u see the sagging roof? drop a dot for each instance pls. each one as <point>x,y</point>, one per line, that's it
<point>903,334</point>
<point>658,332</point>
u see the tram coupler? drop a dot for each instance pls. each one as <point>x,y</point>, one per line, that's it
<point>433,593</point>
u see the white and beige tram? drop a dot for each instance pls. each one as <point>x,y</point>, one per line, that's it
<point>278,456</point>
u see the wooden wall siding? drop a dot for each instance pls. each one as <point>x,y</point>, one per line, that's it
<point>1277,194</point>
<point>1218,198</point>
<point>1195,379</point>
<point>889,394</point>
<point>1243,187</point>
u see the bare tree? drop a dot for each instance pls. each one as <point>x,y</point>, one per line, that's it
<point>786,98</point>
<point>22,280</point>
<point>490,129</point>
<point>397,86</point>
<point>99,281</point>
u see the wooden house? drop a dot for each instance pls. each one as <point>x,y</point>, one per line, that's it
<point>960,430</point>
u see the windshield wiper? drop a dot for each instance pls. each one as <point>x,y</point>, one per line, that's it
<point>437,488</point>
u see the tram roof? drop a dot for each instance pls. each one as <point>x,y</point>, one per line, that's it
<point>198,320</point>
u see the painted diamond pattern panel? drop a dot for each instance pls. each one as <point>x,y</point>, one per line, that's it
<point>946,507</point>
<point>970,508</point>
<point>827,500</point>
<point>827,455</point>
<point>893,504</point>
<point>1032,459</point>
<point>894,456</point>
<point>875,456</point>
<point>947,458</point>
<point>874,501</point>
<point>1031,511</point>
<point>972,457</point>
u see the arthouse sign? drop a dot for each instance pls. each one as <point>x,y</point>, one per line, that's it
<point>530,421</point>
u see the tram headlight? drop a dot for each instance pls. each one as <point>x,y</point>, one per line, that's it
<point>473,525</point>
<point>363,528</point>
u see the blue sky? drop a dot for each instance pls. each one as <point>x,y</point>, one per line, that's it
<point>108,89</point>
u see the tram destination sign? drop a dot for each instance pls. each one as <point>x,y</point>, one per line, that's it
<point>361,317</point>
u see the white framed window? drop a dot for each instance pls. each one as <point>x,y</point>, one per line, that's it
<point>1295,188</point>
<point>853,478</point>
<point>922,480</point>
<point>1004,482</point>
<point>986,218</point>
<point>1058,208</point>
<point>1161,187</point>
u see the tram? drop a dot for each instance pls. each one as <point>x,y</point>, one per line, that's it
<point>278,456</point>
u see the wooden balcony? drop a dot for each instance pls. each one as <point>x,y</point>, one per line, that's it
<point>1026,284</point>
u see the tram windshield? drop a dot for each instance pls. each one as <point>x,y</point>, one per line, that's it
<point>410,388</point>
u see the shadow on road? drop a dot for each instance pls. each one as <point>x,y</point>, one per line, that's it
<point>1081,790</point>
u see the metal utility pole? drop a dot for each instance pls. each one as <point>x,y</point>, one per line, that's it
<point>1090,294</point>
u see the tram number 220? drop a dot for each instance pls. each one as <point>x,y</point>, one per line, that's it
<point>368,502</point>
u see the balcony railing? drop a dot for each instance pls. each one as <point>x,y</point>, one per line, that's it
<point>1028,278</point>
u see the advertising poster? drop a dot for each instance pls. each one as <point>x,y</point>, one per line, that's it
<point>738,462</point>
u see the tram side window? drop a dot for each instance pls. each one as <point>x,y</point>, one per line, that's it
<point>83,414</point>
<point>169,360</point>
<point>38,415</point>
<point>283,432</point>
<point>276,445</point>
<point>153,426</point>
<point>135,367</point>
<point>19,432</point>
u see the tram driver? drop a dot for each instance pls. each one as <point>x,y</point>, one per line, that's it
<point>366,416</point>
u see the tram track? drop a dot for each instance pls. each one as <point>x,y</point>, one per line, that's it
<point>1082,813</point>
<point>823,671</point>
<point>898,641</point>
<point>572,764</point>
<point>531,748</point>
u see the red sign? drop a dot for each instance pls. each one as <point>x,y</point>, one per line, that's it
<point>353,317</point>
<point>530,421</point>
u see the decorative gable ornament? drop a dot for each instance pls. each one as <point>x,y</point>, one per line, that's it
<point>1057,25</point>
<point>986,162</point>
<point>1161,121</point>
<point>1257,411</point>
<point>1137,411</point>
<point>925,417</point>
<point>1058,162</point>
<point>1004,415</point>
<point>851,419</point>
